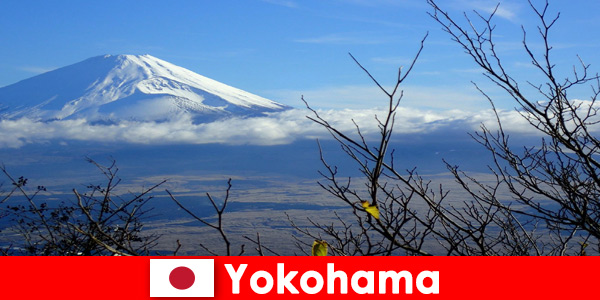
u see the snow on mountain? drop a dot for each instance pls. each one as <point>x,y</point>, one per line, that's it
<point>127,87</point>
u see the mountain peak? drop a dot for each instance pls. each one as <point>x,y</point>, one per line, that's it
<point>117,87</point>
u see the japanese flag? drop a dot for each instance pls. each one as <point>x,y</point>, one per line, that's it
<point>182,278</point>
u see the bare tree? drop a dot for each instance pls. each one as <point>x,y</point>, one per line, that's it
<point>219,226</point>
<point>558,182</point>
<point>98,222</point>
<point>555,209</point>
<point>397,211</point>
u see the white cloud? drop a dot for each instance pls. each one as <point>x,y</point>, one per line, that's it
<point>286,3</point>
<point>506,10</point>
<point>347,39</point>
<point>278,128</point>
<point>379,3</point>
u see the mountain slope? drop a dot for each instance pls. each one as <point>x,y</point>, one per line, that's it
<point>127,87</point>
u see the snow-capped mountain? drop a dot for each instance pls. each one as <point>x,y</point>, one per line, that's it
<point>127,87</point>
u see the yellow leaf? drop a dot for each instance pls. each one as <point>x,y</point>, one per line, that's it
<point>319,248</point>
<point>373,211</point>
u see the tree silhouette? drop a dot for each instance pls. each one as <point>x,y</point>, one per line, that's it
<point>554,186</point>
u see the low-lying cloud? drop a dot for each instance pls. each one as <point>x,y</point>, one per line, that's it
<point>274,129</point>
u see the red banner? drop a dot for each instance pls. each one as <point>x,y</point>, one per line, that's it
<point>298,277</point>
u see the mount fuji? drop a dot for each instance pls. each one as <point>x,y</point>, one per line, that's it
<point>127,87</point>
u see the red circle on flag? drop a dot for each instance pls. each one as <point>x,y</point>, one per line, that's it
<point>182,278</point>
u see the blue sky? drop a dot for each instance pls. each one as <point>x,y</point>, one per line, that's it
<point>281,49</point>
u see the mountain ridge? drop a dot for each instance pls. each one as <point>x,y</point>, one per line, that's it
<point>127,87</point>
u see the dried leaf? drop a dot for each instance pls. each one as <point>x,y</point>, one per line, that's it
<point>371,209</point>
<point>319,248</point>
